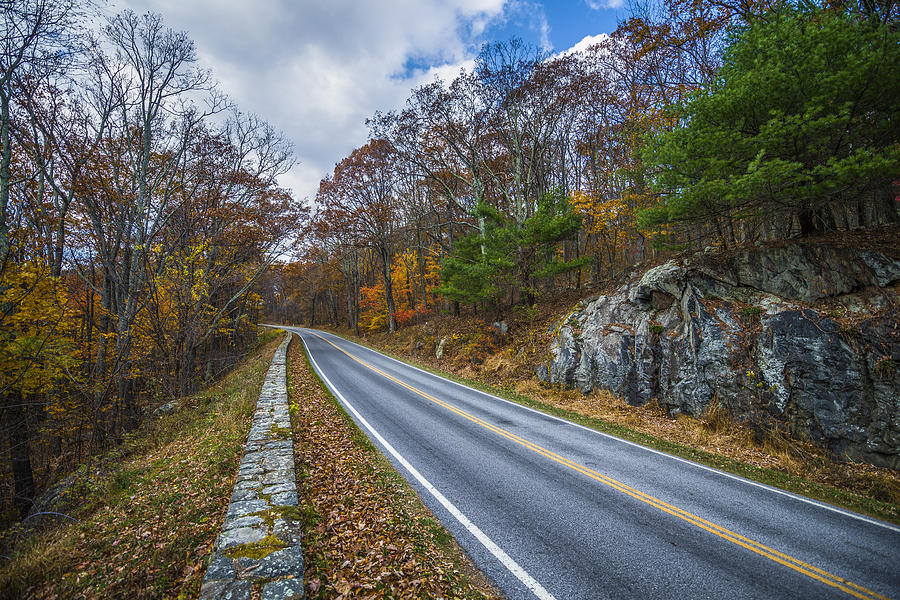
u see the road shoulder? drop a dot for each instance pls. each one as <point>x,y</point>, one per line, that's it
<point>365,530</point>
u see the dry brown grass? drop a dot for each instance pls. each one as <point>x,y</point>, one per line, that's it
<point>716,432</point>
<point>510,365</point>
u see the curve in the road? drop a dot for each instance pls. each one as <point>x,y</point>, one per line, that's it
<point>524,520</point>
<point>857,591</point>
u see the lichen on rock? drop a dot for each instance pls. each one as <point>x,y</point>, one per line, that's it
<point>757,331</point>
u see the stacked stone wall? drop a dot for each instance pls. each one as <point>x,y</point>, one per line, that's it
<point>259,545</point>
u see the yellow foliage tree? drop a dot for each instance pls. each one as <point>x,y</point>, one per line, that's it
<point>37,327</point>
<point>37,356</point>
<point>373,307</point>
<point>403,272</point>
<point>408,293</point>
<point>610,219</point>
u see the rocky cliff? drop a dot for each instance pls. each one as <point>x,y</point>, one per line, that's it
<point>801,335</point>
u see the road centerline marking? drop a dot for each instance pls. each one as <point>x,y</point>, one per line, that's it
<point>774,490</point>
<point>811,571</point>
<point>507,561</point>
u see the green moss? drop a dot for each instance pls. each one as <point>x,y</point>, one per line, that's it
<point>310,517</point>
<point>751,311</point>
<point>260,549</point>
<point>259,584</point>
<point>280,433</point>
<point>287,513</point>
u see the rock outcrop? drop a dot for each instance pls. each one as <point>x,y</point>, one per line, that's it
<point>803,334</point>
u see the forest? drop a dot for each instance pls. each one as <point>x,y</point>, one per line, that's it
<point>696,124</point>
<point>143,232</point>
<point>139,208</point>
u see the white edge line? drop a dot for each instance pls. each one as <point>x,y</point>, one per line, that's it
<point>763,486</point>
<point>493,548</point>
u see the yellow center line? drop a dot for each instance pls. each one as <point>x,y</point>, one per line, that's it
<point>816,573</point>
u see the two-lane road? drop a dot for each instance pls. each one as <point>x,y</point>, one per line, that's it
<point>550,509</point>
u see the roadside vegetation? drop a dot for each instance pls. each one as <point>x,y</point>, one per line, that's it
<point>693,125</point>
<point>476,354</point>
<point>147,513</point>
<point>531,181</point>
<point>138,242</point>
<point>135,223</point>
<point>366,532</point>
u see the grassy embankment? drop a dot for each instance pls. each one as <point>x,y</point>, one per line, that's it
<point>147,522</point>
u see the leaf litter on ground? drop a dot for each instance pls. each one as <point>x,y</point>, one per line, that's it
<point>366,533</point>
<point>145,530</point>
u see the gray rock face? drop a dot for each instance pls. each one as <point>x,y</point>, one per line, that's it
<point>263,508</point>
<point>757,331</point>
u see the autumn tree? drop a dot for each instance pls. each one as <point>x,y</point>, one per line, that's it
<point>527,97</point>
<point>37,325</point>
<point>231,224</point>
<point>522,170</point>
<point>363,191</point>
<point>135,228</point>
<point>37,38</point>
<point>150,81</point>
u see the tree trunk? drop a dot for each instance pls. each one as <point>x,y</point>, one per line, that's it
<point>388,289</point>
<point>20,454</point>
<point>333,309</point>
<point>888,202</point>
<point>312,310</point>
<point>188,361</point>
<point>351,291</point>
<point>5,180</point>
<point>806,219</point>
<point>421,257</point>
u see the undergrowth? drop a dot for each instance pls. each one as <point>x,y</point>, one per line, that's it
<point>145,527</point>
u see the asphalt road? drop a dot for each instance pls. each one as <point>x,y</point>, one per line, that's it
<point>550,509</point>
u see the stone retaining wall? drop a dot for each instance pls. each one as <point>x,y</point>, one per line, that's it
<point>260,540</point>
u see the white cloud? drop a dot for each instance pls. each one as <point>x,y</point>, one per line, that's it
<point>317,70</point>
<point>447,73</point>
<point>594,5</point>
<point>585,43</point>
<point>544,29</point>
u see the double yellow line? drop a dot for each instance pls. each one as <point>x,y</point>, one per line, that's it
<point>781,558</point>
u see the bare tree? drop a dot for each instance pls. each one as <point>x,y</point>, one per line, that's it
<point>160,99</point>
<point>36,37</point>
<point>362,194</point>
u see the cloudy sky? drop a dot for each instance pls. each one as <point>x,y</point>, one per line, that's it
<point>316,69</point>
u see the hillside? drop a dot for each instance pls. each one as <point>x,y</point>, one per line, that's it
<point>506,355</point>
<point>141,521</point>
<point>142,518</point>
